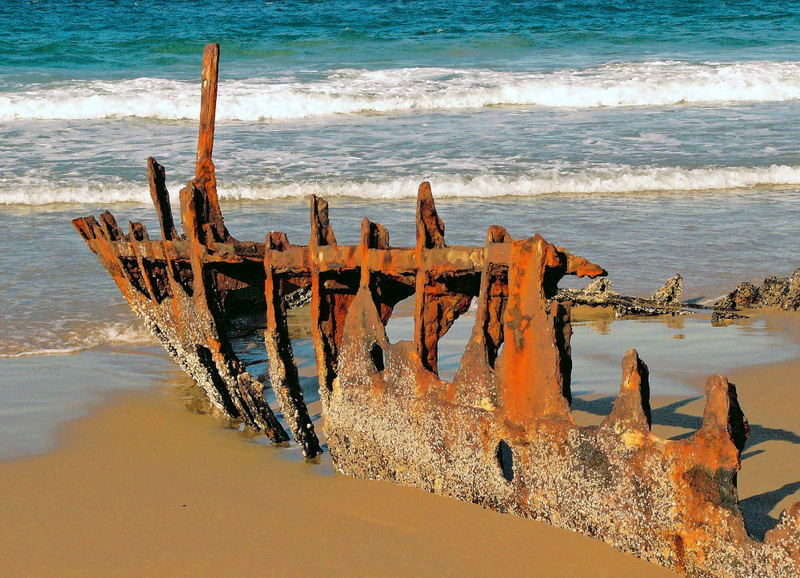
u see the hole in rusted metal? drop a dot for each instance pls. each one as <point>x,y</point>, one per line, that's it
<point>134,274</point>
<point>452,344</point>
<point>505,459</point>
<point>157,272</point>
<point>400,326</point>
<point>376,353</point>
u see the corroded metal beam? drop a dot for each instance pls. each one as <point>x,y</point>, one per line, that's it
<point>500,434</point>
<point>283,373</point>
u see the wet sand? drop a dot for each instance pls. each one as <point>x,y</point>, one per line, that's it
<point>143,486</point>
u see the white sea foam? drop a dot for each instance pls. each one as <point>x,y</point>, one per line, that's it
<point>74,341</point>
<point>611,179</point>
<point>655,83</point>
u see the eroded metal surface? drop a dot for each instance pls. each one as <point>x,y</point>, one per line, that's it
<point>501,434</point>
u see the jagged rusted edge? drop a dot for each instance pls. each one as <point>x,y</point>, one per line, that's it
<point>501,433</point>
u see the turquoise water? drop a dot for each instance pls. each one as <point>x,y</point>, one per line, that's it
<point>651,138</point>
<point>365,99</point>
<point>129,39</point>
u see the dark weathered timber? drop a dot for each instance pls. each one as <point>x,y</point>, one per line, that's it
<point>435,308</point>
<point>282,367</point>
<point>774,292</point>
<point>665,301</point>
<point>157,177</point>
<point>501,433</point>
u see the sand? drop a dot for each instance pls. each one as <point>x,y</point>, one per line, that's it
<point>145,487</point>
<point>142,486</point>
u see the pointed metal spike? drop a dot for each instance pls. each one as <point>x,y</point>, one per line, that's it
<point>321,230</point>
<point>430,227</point>
<point>632,408</point>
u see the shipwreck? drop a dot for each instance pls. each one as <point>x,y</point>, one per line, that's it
<point>500,434</point>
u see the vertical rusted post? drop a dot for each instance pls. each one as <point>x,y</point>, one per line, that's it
<point>208,109</point>
<point>430,234</point>
<point>111,227</point>
<point>205,175</point>
<point>531,364</point>
<point>373,236</point>
<point>156,175</point>
<point>138,233</point>
<point>323,303</point>
<point>430,227</point>
<point>321,230</point>
<point>376,236</point>
<point>192,219</point>
<point>282,367</point>
<point>631,410</point>
<point>435,308</point>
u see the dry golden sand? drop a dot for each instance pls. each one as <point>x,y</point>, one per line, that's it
<point>143,487</point>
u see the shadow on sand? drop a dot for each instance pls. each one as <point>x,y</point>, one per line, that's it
<point>756,509</point>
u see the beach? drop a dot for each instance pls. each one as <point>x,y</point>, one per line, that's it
<point>145,486</point>
<point>119,499</point>
<point>649,139</point>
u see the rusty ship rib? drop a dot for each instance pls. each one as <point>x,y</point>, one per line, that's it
<point>501,434</point>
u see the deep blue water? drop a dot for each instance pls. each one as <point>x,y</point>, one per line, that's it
<point>130,39</point>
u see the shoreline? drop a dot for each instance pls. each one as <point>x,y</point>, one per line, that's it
<point>115,499</point>
<point>109,497</point>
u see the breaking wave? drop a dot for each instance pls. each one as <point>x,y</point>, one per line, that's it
<point>613,179</point>
<point>75,341</point>
<point>400,90</point>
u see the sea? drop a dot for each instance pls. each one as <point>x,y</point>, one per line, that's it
<point>652,138</point>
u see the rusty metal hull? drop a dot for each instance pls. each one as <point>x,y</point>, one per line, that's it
<point>501,434</point>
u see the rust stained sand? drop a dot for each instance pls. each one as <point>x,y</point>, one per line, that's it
<point>501,434</point>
